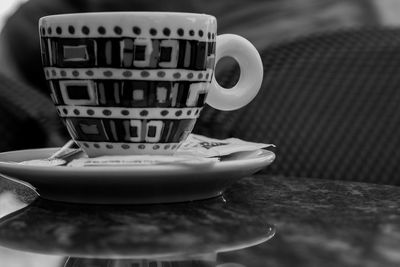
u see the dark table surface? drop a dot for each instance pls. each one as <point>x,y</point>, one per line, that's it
<point>260,221</point>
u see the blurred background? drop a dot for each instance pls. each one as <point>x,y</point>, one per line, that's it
<point>342,72</point>
<point>348,12</point>
<point>263,22</point>
<point>7,7</point>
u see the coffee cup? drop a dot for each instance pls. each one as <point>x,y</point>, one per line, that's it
<point>128,83</point>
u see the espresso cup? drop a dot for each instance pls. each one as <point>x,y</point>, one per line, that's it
<point>128,83</point>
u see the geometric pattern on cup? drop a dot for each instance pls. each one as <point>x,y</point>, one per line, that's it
<point>129,93</point>
<point>128,113</point>
<point>127,53</point>
<point>128,74</point>
<point>120,79</point>
<point>129,130</point>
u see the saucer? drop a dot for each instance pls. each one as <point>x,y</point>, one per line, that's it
<point>130,184</point>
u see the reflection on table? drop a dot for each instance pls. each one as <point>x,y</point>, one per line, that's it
<point>317,223</point>
<point>180,234</point>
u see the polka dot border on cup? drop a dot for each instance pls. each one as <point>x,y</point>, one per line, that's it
<point>106,148</point>
<point>128,74</point>
<point>119,24</point>
<point>128,113</point>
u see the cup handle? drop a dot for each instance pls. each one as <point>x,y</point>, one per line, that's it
<point>251,73</point>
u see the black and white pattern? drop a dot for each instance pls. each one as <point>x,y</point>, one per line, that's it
<point>132,82</point>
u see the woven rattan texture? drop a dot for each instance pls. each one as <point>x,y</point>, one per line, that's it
<point>331,104</point>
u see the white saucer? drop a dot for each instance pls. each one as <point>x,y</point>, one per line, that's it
<point>133,184</point>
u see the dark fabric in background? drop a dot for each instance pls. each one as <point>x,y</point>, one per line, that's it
<point>331,104</point>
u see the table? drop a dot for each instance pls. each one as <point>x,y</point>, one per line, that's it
<point>260,221</point>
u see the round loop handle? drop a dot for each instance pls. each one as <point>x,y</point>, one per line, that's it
<point>251,73</point>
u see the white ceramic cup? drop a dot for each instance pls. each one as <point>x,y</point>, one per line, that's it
<point>135,82</point>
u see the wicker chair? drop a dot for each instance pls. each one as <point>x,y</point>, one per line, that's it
<point>331,104</point>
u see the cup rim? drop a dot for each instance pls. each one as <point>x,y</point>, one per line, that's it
<point>129,24</point>
<point>152,14</point>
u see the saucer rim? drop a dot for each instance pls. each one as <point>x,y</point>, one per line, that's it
<point>135,184</point>
<point>263,155</point>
